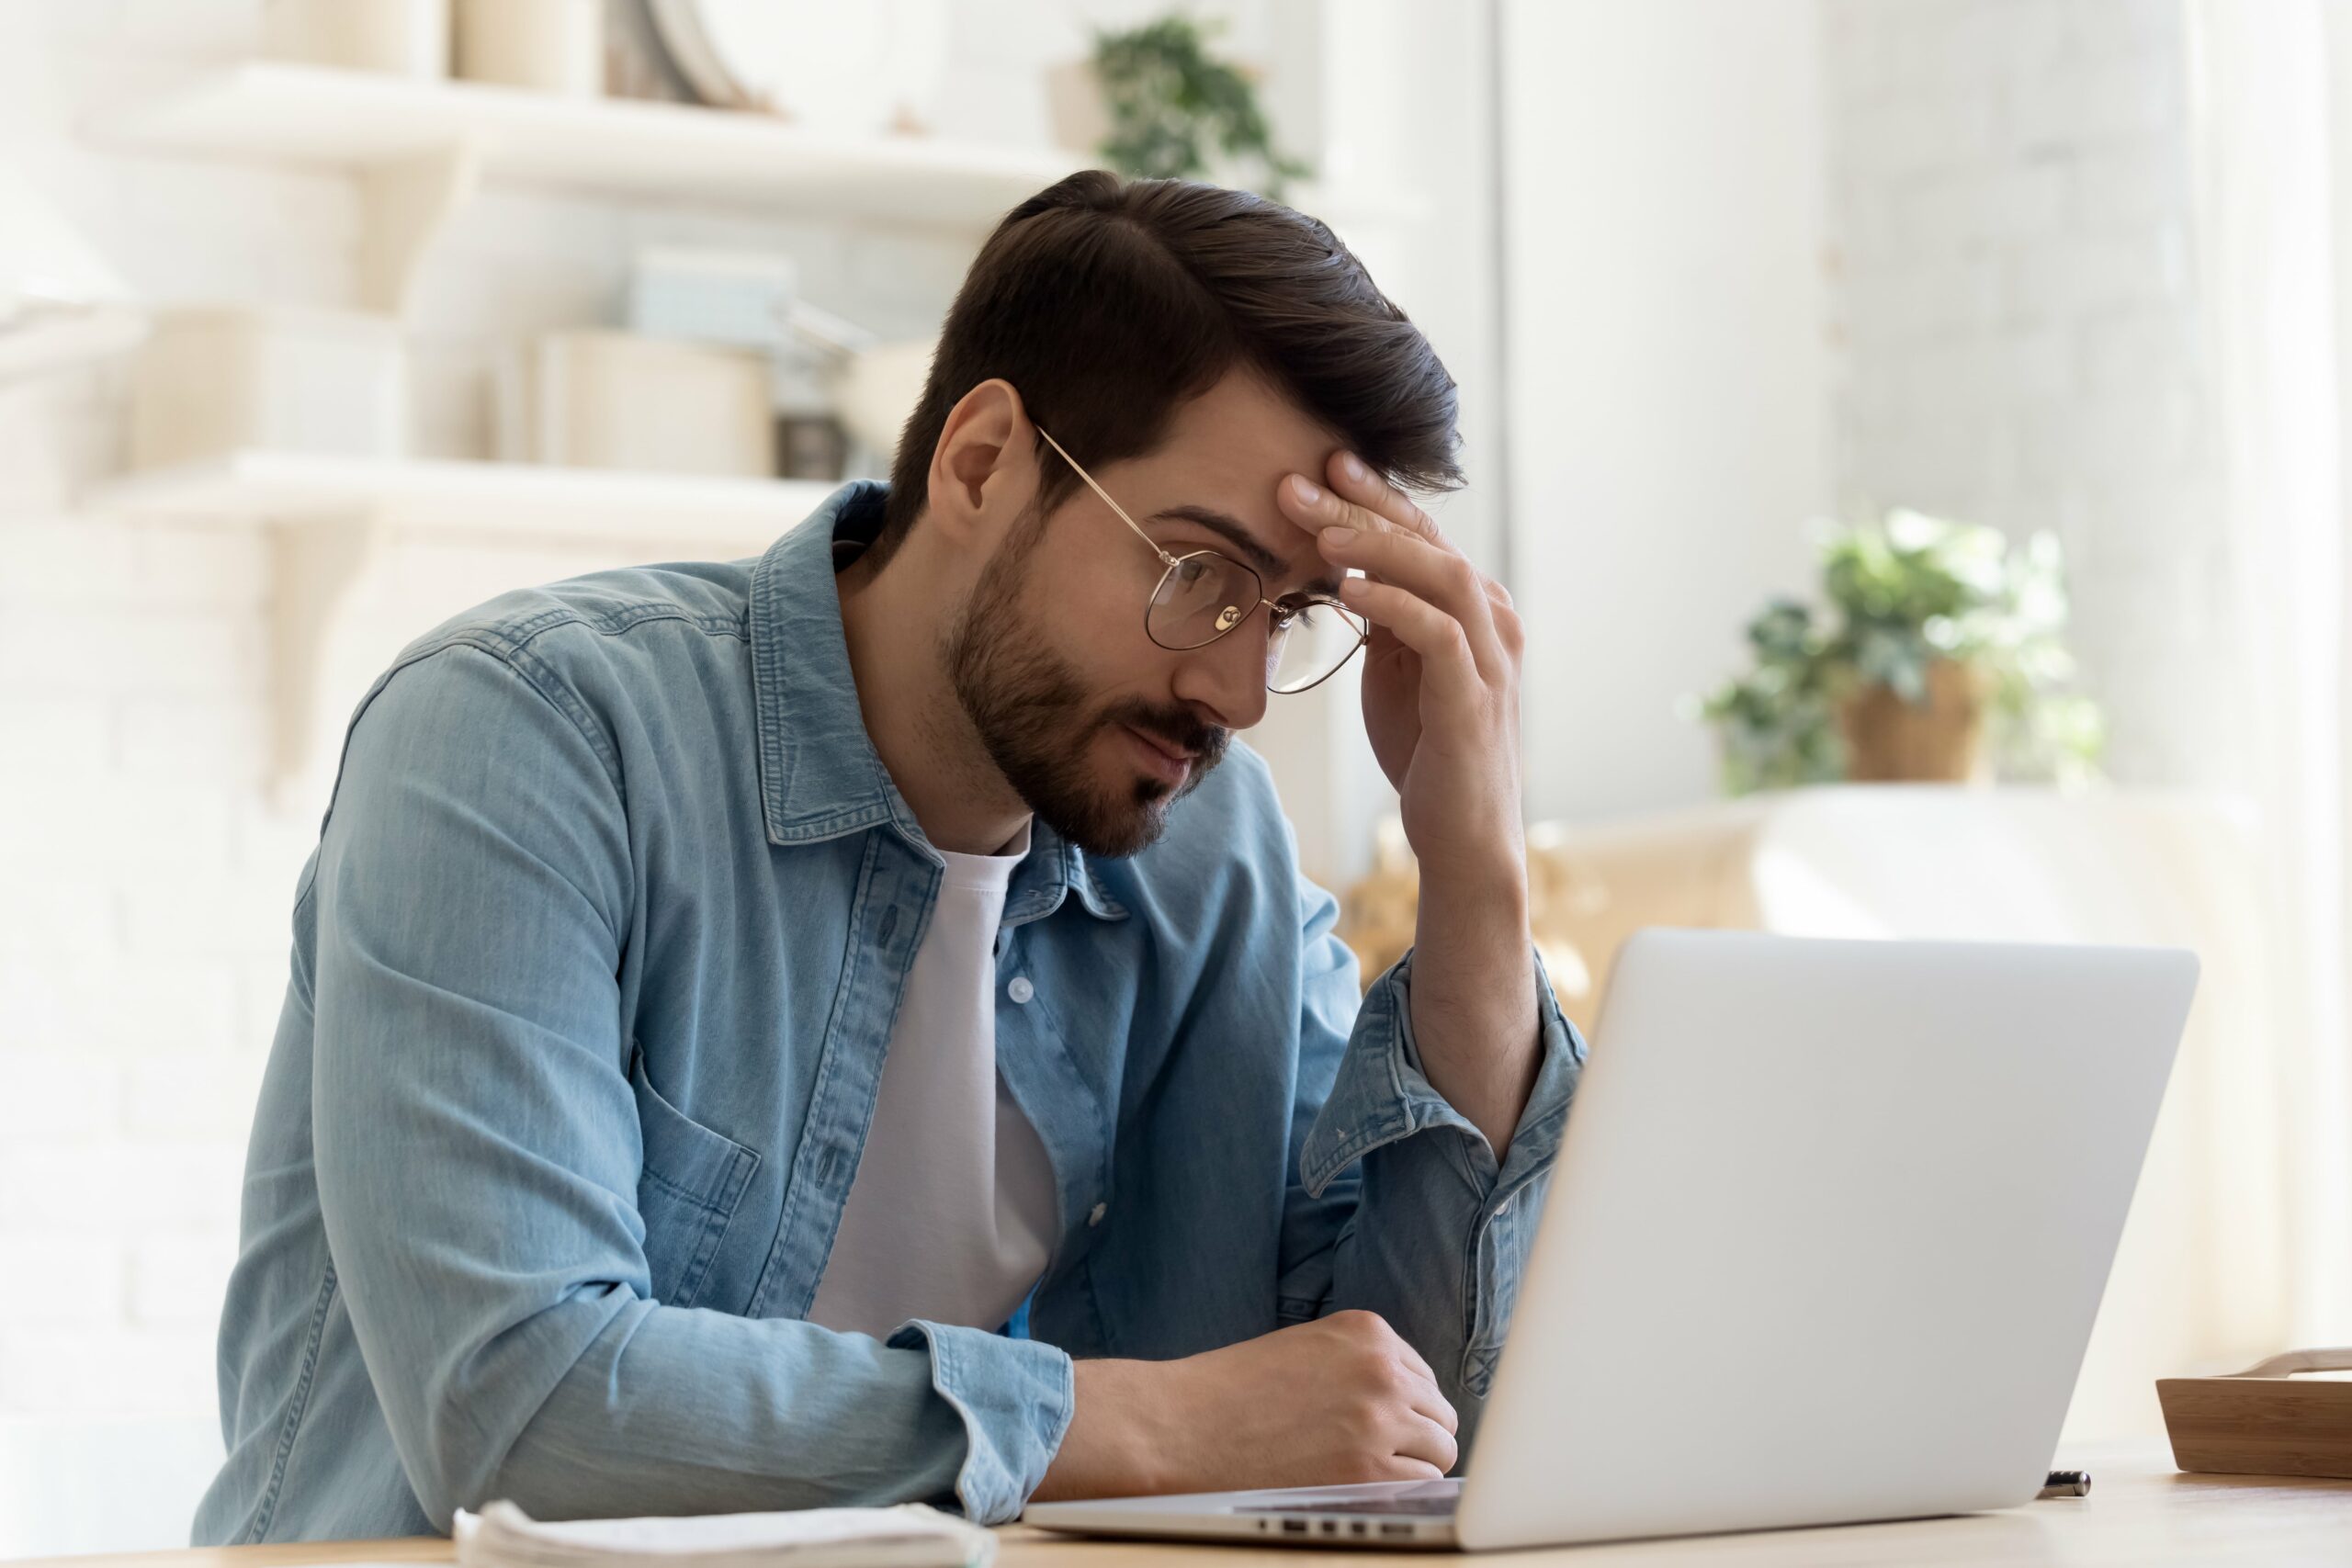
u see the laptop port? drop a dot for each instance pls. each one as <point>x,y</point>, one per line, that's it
<point>1357,1527</point>
<point>1404,1531</point>
<point>1293,1527</point>
<point>1330,1527</point>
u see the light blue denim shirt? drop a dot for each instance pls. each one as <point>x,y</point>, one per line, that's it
<point>593,968</point>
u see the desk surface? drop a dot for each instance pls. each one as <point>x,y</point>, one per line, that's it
<point>2140,1512</point>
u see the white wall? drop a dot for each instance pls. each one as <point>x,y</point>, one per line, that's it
<point>2021,318</point>
<point>1669,379</point>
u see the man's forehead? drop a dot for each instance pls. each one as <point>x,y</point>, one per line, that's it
<point>1224,453</point>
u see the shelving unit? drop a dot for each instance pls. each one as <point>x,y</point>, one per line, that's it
<point>419,151</point>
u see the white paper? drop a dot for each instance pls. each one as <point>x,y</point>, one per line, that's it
<point>909,1536</point>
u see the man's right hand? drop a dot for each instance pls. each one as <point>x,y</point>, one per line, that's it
<point>1340,1399</point>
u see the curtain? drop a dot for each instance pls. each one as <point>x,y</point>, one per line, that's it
<point>2271,128</point>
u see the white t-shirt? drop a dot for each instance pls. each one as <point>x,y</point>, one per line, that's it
<point>951,1214</point>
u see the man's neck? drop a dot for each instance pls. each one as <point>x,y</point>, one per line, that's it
<point>918,728</point>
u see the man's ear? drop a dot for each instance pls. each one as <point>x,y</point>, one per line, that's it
<point>983,469</point>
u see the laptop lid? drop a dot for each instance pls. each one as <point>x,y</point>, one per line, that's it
<point>1829,1227</point>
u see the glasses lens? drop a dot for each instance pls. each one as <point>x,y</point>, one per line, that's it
<point>1200,599</point>
<point>1319,638</point>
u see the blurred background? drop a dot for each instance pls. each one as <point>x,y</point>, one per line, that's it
<point>1917,431</point>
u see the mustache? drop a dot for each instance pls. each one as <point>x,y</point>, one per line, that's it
<point>1180,729</point>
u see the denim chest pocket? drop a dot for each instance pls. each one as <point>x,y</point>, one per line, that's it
<point>687,1190</point>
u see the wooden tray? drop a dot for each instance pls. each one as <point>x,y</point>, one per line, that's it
<point>2262,1422</point>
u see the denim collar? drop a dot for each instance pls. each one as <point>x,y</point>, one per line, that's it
<point>819,776</point>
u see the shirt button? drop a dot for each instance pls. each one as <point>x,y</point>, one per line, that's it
<point>1021,990</point>
<point>1504,1207</point>
<point>1094,1216</point>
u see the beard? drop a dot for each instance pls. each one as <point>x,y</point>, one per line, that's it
<point>1036,719</point>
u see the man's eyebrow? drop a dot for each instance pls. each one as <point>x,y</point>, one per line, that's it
<point>1233,531</point>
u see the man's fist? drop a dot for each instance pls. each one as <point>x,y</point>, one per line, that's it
<point>1342,1399</point>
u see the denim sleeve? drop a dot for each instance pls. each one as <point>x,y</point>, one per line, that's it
<point>478,1152</point>
<point>1423,1225</point>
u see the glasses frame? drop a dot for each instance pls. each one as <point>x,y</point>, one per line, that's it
<point>1171,562</point>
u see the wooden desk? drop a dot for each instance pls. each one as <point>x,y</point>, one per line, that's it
<point>2140,1512</point>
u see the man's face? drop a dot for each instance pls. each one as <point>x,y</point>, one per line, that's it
<point>1097,728</point>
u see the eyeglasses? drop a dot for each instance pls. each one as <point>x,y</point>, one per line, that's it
<point>1202,595</point>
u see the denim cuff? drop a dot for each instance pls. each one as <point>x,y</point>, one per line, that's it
<point>1015,1397</point>
<point>1381,1096</point>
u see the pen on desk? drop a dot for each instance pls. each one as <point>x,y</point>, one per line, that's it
<point>2066,1483</point>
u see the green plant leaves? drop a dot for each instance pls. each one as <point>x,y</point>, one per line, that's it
<point>1903,593</point>
<point>1170,103</point>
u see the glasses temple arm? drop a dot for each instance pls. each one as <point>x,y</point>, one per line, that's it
<point>1148,541</point>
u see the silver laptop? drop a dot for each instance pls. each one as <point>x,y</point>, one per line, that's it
<point>1829,1229</point>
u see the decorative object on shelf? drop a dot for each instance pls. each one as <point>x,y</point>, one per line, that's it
<point>1379,916</point>
<point>61,303</point>
<point>1947,663</point>
<point>745,298</point>
<point>550,46</point>
<point>732,296</point>
<point>405,38</point>
<point>863,67</point>
<point>599,399</point>
<point>211,381</point>
<point>1153,103</point>
<point>636,64</point>
<point>871,385</point>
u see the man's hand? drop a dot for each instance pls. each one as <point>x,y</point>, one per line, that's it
<point>1440,706</point>
<point>1440,680</point>
<point>1340,1399</point>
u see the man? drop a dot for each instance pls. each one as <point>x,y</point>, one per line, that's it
<point>846,1027</point>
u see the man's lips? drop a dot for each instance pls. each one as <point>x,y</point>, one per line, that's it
<point>1170,763</point>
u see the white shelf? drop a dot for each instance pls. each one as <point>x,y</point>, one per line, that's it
<point>319,116</point>
<point>488,498</point>
<point>330,624</point>
<point>420,149</point>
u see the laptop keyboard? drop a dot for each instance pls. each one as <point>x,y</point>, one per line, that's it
<point>1433,1507</point>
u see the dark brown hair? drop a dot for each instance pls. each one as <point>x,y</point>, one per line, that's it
<point>1108,303</point>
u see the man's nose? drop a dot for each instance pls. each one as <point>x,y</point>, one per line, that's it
<point>1227,677</point>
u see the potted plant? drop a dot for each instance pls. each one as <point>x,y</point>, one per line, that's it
<point>1942,658</point>
<point>1154,103</point>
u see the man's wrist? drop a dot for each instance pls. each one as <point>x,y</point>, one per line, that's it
<point>1118,1443</point>
<point>1474,903</point>
<point>1473,1001</point>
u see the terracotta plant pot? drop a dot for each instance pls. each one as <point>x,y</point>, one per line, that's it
<point>1939,740</point>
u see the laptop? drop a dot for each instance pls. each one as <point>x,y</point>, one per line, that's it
<point>1830,1224</point>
